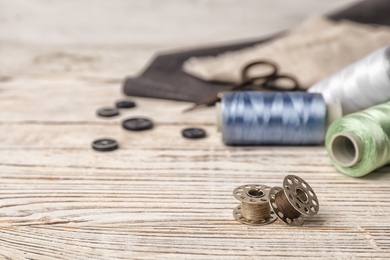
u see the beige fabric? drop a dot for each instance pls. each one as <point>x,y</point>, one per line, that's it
<point>316,49</point>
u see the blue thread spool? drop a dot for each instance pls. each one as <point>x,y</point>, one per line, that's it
<point>284,118</point>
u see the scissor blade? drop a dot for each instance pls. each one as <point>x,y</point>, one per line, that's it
<point>191,108</point>
<point>206,103</point>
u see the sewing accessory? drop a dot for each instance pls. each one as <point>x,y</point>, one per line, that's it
<point>107,112</point>
<point>359,143</point>
<point>193,133</point>
<point>255,208</point>
<point>105,145</point>
<point>125,104</point>
<point>363,84</point>
<point>137,124</point>
<point>286,118</point>
<point>267,81</point>
<point>294,201</point>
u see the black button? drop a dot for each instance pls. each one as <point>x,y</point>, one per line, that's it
<point>125,104</point>
<point>193,133</point>
<point>137,124</point>
<point>107,112</point>
<point>105,145</point>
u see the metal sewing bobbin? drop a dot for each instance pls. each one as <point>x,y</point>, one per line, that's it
<point>255,207</point>
<point>294,201</point>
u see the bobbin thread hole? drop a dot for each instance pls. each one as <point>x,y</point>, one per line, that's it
<point>301,196</point>
<point>346,149</point>
<point>255,193</point>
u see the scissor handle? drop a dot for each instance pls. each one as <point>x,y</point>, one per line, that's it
<point>245,71</point>
<point>249,82</point>
<point>270,82</point>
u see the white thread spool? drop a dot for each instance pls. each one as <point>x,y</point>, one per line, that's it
<point>362,84</point>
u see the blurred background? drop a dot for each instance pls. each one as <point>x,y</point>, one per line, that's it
<point>117,38</point>
<point>153,22</point>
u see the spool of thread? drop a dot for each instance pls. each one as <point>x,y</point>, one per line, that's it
<point>359,143</point>
<point>362,84</point>
<point>295,201</point>
<point>285,118</point>
<point>254,208</point>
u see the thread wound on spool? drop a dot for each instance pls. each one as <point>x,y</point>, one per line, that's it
<point>369,133</point>
<point>255,208</point>
<point>288,118</point>
<point>360,85</point>
<point>334,112</point>
<point>285,206</point>
<point>256,213</point>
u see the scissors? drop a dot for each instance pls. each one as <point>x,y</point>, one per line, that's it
<point>268,81</point>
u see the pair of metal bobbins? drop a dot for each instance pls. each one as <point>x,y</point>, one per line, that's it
<point>262,205</point>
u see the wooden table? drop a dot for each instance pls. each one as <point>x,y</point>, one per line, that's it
<point>158,196</point>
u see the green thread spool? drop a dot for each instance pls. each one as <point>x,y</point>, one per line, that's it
<point>359,143</point>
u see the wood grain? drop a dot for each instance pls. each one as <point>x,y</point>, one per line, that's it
<point>159,196</point>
